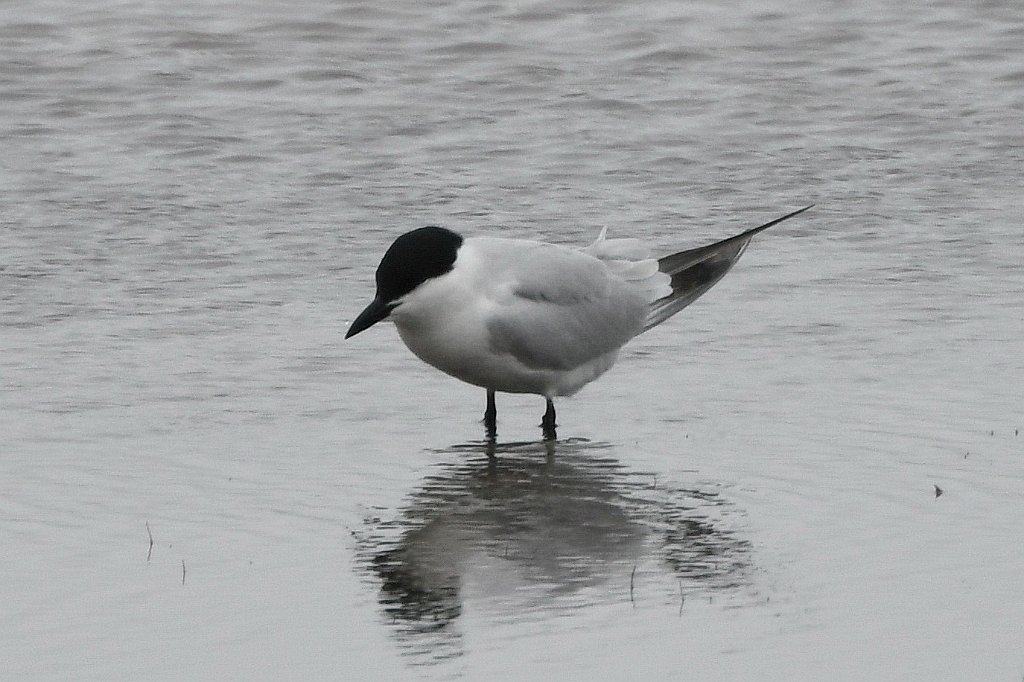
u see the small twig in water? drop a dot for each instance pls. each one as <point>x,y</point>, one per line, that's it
<point>631,577</point>
<point>681,597</point>
<point>150,533</point>
<point>182,571</point>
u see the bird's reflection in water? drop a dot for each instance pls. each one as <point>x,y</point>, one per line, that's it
<point>529,532</point>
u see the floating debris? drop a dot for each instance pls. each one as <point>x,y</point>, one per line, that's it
<point>938,491</point>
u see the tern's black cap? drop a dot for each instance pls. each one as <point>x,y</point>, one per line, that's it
<point>414,258</point>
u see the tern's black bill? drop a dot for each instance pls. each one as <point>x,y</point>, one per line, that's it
<point>374,313</point>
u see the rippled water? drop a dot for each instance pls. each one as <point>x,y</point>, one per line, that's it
<point>196,195</point>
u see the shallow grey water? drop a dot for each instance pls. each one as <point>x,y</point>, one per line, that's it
<point>195,198</point>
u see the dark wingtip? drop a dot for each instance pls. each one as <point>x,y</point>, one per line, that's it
<point>755,230</point>
<point>779,220</point>
<point>694,271</point>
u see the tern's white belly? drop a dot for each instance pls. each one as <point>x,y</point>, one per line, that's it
<point>464,351</point>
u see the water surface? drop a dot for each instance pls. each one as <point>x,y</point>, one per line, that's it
<point>195,198</point>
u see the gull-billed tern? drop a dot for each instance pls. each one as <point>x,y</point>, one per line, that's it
<point>523,316</point>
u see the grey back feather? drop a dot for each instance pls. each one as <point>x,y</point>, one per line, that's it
<point>631,261</point>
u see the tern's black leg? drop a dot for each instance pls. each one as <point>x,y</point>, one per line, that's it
<point>491,417</point>
<point>547,423</point>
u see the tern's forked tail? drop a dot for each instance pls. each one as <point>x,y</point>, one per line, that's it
<point>695,271</point>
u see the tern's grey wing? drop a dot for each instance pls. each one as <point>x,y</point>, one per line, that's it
<point>557,309</point>
<point>695,271</point>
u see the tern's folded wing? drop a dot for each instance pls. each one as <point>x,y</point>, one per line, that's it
<point>553,336</point>
<point>558,309</point>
